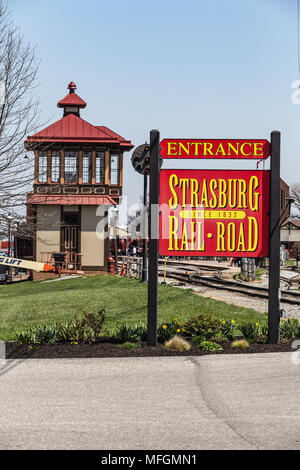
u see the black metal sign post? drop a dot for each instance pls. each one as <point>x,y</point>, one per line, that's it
<point>274,242</point>
<point>153,237</point>
<point>145,223</point>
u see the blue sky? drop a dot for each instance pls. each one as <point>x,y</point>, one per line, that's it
<point>190,69</point>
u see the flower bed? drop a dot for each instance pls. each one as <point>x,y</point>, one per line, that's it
<point>106,348</point>
<point>85,336</point>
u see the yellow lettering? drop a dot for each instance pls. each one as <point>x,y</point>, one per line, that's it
<point>173,182</point>
<point>252,234</point>
<point>253,196</point>
<point>220,236</point>
<point>185,149</point>
<point>173,237</point>
<point>171,148</point>
<point>222,193</point>
<point>241,246</point>
<point>184,185</point>
<point>242,204</point>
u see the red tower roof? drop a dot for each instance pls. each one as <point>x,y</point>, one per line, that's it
<point>71,99</point>
<point>72,129</point>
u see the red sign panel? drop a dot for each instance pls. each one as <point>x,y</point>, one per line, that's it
<point>215,149</point>
<point>214,213</point>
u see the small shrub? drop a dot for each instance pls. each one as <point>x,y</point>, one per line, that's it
<point>250,331</point>
<point>25,337</point>
<point>202,325</point>
<point>94,321</point>
<point>177,344</point>
<point>131,333</point>
<point>82,330</point>
<point>240,344</point>
<point>167,330</point>
<point>40,334</point>
<point>209,346</point>
<point>219,338</point>
<point>290,329</point>
<point>129,345</point>
<point>45,334</point>
<point>198,339</point>
<point>227,328</point>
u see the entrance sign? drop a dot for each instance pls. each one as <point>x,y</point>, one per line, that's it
<point>242,149</point>
<point>214,213</point>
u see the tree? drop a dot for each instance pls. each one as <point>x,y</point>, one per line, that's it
<point>18,116</point>
<point>295,194</point>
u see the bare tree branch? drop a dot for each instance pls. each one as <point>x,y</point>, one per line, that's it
<point>18,118</point>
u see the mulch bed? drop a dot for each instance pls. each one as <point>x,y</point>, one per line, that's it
<point>110,349</point>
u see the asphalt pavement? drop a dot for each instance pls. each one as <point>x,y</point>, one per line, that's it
<point>211,402</point>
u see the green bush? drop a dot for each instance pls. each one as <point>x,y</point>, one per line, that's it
<point>25,337</point>
<point>250,331</point>
<point>290,329</point>
<point>168,330</point>
<point>41,334</point>
<point>131,333</point>
<point>209,346</point>
<point>227,328</point>
<point>45,334</point>
<point>202,325</point>
<point>219,338</point>
<point>82,330</point>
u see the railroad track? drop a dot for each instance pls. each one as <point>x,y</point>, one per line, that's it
<point>233,286</point>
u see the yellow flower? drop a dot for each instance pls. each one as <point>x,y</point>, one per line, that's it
<point>256,324</point>
<point>174,319</point>
<point>178,330</point>
<point>164,327</point>
<point>183,329</point>
<point>232,321</point>
<point>223,322</point>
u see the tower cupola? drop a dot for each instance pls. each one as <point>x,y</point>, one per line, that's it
<point>71,103</point>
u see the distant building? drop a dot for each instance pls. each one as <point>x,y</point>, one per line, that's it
<point>78,175</point>
<point>290,236</point>
<point>284,200</point>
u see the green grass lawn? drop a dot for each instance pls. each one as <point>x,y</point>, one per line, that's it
<point>125,301</point>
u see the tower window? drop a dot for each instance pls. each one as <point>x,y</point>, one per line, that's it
<point>55,167</point>
<point>114,169</point>
<point>86,167</point>
<point>100,166</point>
<point>71,167</point>
<point>43,166</point>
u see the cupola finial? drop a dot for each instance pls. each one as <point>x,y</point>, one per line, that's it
<point>72,87</point>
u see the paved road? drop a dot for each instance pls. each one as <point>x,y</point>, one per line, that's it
<point>213,402</point>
